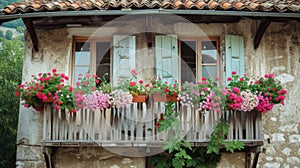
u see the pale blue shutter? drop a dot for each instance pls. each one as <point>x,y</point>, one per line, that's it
<point>123,57</point>
<point>234,48</point>
<point>166,52</point>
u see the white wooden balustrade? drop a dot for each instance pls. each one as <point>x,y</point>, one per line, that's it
<point>136,125</point>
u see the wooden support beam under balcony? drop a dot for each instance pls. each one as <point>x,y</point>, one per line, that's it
<point>137,126</point>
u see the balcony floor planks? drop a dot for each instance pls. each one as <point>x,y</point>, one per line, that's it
<point>135,144</point>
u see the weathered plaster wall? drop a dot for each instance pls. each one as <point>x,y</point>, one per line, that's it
<point>54,52</point>
<point>94,157</point>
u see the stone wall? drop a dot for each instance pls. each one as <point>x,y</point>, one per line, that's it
<point>278,53</point>
<point>94,157</point>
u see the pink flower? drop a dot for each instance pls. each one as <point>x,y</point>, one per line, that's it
<point>134,72</point>
<point>242,79</point>
<point>77,83</point>
<point>266,76</point>
<point>233,73</point>
<point>203,79</point>
<point>245,74</point>
<point>217,78</point>
<point>229,79</point>
<point>70,88</point>
<point>141,81</point>
<point>271,75</point>
<point>236,90</point>
<point>88,75</point>
<point>132,83</point>
<point>54,70</point>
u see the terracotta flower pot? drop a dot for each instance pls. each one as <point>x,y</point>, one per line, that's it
<point>157,97</point>
<point>48,100</point>
<point>139,98</point>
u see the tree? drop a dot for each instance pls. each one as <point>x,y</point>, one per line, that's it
<point>20,29</point>
<point>8,34</point>
<point>11,55</point>
<point>1,34</point>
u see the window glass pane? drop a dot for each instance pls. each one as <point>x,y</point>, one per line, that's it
<point>103,60</point>
<point>188,61</point>
<point>82,58</point>
<point>209,52</point>
<point>209,71</point>
<point>80,70</point>
<point>82,53</point>
<point>82,46</point>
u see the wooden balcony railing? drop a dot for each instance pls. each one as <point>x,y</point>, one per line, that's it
<point>136,125</point>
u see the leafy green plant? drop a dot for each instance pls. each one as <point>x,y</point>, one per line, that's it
<point>217,139</point>
<point>180,153</point>
<point>163,88</point>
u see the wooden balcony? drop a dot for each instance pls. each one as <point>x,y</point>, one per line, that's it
<point>136,126</point>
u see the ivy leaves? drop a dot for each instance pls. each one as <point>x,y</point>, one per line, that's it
<point>217,139</point>
<point>179,152</point>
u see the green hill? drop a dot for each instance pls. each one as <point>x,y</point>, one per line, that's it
<point>3,3</point>
<point>12,24</point>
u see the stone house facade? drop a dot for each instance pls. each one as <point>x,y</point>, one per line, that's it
<point>79,36</point>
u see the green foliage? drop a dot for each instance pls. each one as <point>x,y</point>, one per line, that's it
<point>20,29</point>
<point>180,153</point>
<point>3,3</point>
<point>176,145</point>
<point>217,139</point>
<point>11,54</point>
<point>8,34</point>
<point>1,34</point>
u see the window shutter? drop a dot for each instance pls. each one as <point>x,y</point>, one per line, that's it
<point>166,51</point>
<point>123,57</point>
<point>234,48</point>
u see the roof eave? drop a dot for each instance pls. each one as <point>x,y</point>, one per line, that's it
<point>149,11</point>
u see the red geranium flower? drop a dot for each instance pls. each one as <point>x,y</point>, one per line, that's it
<point>132,83</point>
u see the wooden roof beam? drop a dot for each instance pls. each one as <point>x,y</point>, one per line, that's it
<point>264,24</point>
<point>30,27</point>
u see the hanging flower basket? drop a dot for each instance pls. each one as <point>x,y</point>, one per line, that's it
<point>139,98</point>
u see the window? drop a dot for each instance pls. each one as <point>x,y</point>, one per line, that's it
<point>199,58</point>
<point>92,56</point>
<point>183,59</point>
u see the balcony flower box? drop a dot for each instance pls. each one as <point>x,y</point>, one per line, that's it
<point>139,98</point>
<point>157,97</point>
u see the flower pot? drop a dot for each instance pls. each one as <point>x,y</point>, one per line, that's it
<point>48,100</point>
<point>139,98</point>
<point>172,98</point>
<point>157,97</point>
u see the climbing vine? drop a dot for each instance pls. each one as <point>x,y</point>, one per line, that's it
<point>179,152</point>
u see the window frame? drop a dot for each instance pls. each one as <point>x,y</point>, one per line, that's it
<point>198,51</point>
<point>93,53</point>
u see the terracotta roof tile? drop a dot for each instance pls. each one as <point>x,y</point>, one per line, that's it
<point>27,6</point>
